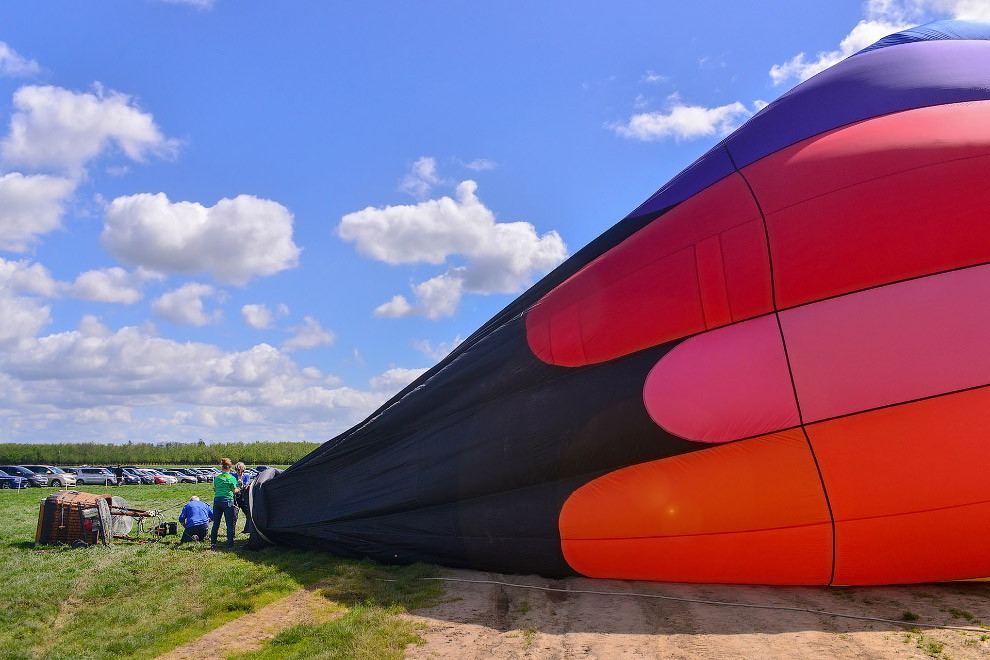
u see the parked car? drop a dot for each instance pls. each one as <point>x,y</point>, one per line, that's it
<point>169,479</point>
<point>212,471</point>
<point>96,476</point>
<point>11,481</point>
<point>18,471</point>
<point>181,477</point>
<point>262,468</point>
<point>156,475</point>
<point>129,479</point>
<point>199,477</point>
<point>53,476</point>
<point>206,474</point>
<point>137,473</point>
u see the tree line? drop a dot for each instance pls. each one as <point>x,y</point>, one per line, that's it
<point>143,453</point>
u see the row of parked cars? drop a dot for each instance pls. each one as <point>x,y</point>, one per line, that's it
<point>26,476</point>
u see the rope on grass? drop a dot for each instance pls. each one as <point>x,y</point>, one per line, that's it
<point>701,601</point>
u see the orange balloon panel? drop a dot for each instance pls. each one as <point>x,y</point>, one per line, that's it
<point>747,512</point>
<point>907,485</point>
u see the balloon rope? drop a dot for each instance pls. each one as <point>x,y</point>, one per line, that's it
<point>909,624</point>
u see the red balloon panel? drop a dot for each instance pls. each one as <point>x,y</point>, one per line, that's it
<point>750,511</point>
<point>907,486</point>
<point>858,208</point>
<point>701,265</point>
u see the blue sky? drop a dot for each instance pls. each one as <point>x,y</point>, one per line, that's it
<point>257,221</point>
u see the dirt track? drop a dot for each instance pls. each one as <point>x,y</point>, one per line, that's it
<point>492,622</point>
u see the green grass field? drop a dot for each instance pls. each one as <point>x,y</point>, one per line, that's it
<point>138,600</point>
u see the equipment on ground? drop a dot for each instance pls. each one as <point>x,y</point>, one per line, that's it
<point>84,519</point>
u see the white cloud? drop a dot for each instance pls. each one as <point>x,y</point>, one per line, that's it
<point>394,379</point>
<point>185,305</point>
<point>98,378</point>
<point>13,64</point>
<point>57,128</point>
<point>113,285</point>
<point>199,4</point>
<point>395,308</point>
<point>309,335</point>
<point>234,240</point>
<point>480,164</point>
<point>684,122</point>
<point>22,318</point>
<point>502,257</point>
<point>90,326</point>
<point>258,316</point>
<point>882,17</point>
<point>653,78</point>
<point>25,277</point>
<point>29,206</point>
<point>435,298</point>
<point>438,352</point>
<point>801,67</point>
<point>422,178</point>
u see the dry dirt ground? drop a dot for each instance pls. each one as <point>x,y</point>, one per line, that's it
<point>496,622</point>
<point>493,622</point>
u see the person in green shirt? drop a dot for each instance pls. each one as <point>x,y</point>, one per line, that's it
<point>224,487</point>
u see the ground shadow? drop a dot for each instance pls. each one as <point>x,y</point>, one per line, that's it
<point>569,607</point>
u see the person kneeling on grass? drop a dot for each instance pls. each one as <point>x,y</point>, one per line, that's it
<point>195,518</point>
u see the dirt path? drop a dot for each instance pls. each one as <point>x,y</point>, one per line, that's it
<point>252,630</point>
<point>492,622</point>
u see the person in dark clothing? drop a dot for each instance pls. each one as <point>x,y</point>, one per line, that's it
<point>195,518</point>
<point>120,475</point>
<point>241,499</point>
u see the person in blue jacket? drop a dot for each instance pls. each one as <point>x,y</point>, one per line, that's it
<point>195,518</point>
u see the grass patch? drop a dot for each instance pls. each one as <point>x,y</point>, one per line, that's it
<point>364,633</point>
<point>908,615</point>
<point>137,601</point>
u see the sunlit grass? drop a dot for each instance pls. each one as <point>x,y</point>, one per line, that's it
<point>138,600</point>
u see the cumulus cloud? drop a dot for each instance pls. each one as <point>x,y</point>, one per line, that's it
<point>435,298</point>
<point>113,285</point>
<point>13,64</point>
<point>30,205</point>
<point>97,377</point>
<point>394,379</point>
<point>185,305</point>
<point>882,17</point>
<point>683,122</point>
<point>56,128</point>
<point>17,277</point>
<point>395,308</point>
<point>258,317</point>
<point>422,178</point>
<point>309,335</point>
<point>234,240</point>
<point>22,318</point>
<point>438,352</point>
<point>502,257</point>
